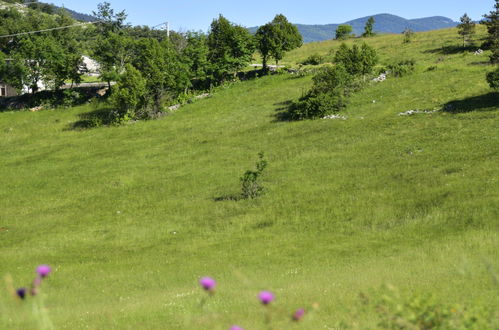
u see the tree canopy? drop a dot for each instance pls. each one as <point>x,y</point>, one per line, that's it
<point>230,48</point>
<point>276,38</point>
<point>343,32</point>
<point>491,21</point>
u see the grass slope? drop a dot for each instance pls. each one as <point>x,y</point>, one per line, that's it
<point>128,219</point>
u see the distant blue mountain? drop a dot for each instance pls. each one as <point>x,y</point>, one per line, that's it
<point>384,23</point>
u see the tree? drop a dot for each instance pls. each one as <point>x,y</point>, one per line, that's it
<point>130,95</point>
<point>491,21</point>
<point>160,65</point>
<point>357,61</point>
<point>12,71</point>
<point>368,29</point>
<point>265,42</point>
<point>408,35</point>
<point>230,48</point>
<point>112,46</point>
<point>195,56</point>
<point>109,22</point>
<point>466,28</point>
<point>493,79</point>
<point>277,37</point>
<point>112,52</point>
<point>343,32</point>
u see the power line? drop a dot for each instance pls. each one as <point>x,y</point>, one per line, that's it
<point>70,26</point>
<point>46,30</point>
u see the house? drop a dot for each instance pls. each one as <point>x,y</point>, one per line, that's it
<point>7,90</point>
<point>90,66</point>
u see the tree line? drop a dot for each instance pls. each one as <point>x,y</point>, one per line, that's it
<point>170,64</point>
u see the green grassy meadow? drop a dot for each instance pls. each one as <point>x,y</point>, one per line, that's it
<point>129,217</point>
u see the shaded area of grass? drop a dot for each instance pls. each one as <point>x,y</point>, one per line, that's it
<point>452,49</point>
<point>67,97</point>
<point>486,102</point>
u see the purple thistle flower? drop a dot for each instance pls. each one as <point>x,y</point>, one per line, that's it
<point>21,293</point>
<point>208,283</point>
<point>43,270</point>
<point>236,327</point>
<point>297,316</point>
<point>266,297</point>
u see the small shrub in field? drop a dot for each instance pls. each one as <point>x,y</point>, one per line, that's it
<point>313,106</point>
<point>314,59</point>
<point>408,35</point>
<point>250,181</point>
<point>493,79</point>
<point>328,94</point>
<point>402,68</point>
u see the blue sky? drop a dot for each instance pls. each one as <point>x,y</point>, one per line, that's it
<point>197,14</point>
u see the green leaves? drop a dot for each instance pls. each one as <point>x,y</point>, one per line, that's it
<point>276,38</point>
<point>343,32</point>
<point>230,48</point>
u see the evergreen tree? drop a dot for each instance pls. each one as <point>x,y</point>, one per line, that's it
<point>466,29</point>
<point>368,29</point>
<point>491,21</point>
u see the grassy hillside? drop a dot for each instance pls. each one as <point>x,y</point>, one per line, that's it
<point>129,219</point>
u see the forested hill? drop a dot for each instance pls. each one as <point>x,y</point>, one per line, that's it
<point>384,23</point>
<point>47,8</point>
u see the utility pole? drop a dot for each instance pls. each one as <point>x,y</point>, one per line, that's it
<point>163,26</point>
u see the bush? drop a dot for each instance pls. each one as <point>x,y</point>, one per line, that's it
<point>493,79</point>
<point>250,183</point>
<point>402,68</point>
<point>315,106</point>
<point>129,97</point>
<point>314,59</point>
<point>357,61</point>
<point>327,95</point>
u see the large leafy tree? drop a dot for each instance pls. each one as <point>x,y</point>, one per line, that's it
<point>277,37</point>
<point>12,71</point>
<point>466,28</point>
<point>343,32</point>
<point>195,56</point>
<point>112,47</point>
<point>491,21</point>
<point>160,65</point>
<point>230,48</point>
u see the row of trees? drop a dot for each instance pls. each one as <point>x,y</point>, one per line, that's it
<point>344,31</point>
<point>169,65</point>
<point>53,57</point>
